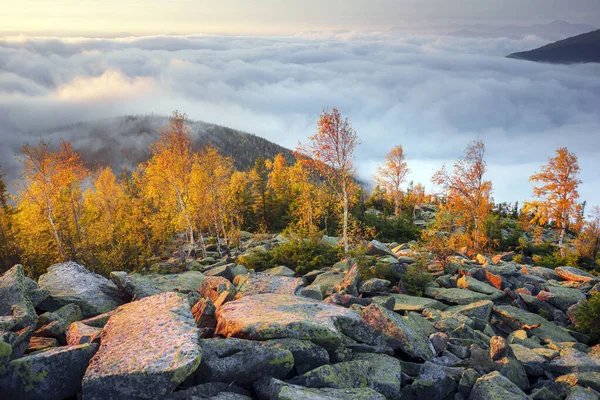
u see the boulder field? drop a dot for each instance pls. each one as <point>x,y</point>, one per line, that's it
<point>486,328</point>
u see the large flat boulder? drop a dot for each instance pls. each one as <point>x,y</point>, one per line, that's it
<point>275,316</point>
<point>148,348</point>
<point>72,283</point>
<point>261,283</point>
<point>51,374</point>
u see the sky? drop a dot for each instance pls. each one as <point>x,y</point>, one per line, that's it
<point>275,16</point>
<point>270,67</point>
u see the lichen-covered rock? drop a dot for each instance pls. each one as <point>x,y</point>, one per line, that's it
<point>15,300</point>
<point>375,286</point>
<point>328,280</point>
<point>148,348</point>
<point>80,333</point>
<point>505,362</point>
<point>581,393</point>
<point>458,296</point>
<point>55,324</point>
<point>37,344</point>
<point>134,285</point>
<point>481,310</point>
<point>344,375</point>
<point>185,282</point>
<point>307,355</point>
<point>273,389</point>
<point>72,283</point>
<point>52,374</point>
<point>561,297</point>
<point>282,270</point>
<point>312,292</point>
<point>242,361</point>
<point>571,360</point>
<point>348,285</point>
<point>467,282</point>
<point>517,318</point>
<point>213,286</point>
<point>534,364</point>
<point>584,379</point>
<point>260,283</point>
<point>433,382</point>
<point>404,302</point>
<point>211,391</point>
<point>409,334</point>
<point>386,373</point>
<point>495,386</point>
<point>575,275</point>
<point>274,316</point>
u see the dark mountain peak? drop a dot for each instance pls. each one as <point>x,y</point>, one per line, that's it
<point>584,48</point>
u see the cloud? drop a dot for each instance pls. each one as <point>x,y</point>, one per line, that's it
<point>430,93</point>
<point>111,85</point>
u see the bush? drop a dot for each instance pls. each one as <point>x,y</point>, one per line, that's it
<point>301,255</point>
<point>257,260</point>
<point>417,278</point>
<point>305,255</point>
<point>588,317</point>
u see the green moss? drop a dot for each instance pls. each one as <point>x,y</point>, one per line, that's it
<point>27,375</point>
<point>180,374</point>
<point>287,360</point>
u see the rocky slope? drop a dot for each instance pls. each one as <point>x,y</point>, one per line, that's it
<point>210,329</point>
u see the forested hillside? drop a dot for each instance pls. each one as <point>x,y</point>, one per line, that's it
<point>186,275</point>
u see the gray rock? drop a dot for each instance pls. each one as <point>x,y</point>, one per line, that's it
<point>575,275</point>
<point>580,393</point>
<point>273,389</point>
<point>405,303</point>
<point>280,271</point>
<point>242,361</point>
<point>14,298</point>
<point>376,248</point>
<point>52,374</point>
<point>313,292</point>
<point>307,355</point>
<point>408,334</point>
<point>385,373</point>
<point>432,383</point>
<point>260,283</point>
<point>494,386</point>
<point>148,348</point>
<point>571,360</point>
<point>375,286</point>
<point>211,391</point>
<point>457,296</point>
<point>72,283</point>
<point>135,285</point>
<point>516,318</point>
<point>328,280</point>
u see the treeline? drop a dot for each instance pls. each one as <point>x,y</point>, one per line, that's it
<point>62,210</point>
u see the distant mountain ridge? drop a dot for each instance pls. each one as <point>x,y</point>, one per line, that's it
<point>123,142</point>
<point>584,48</point>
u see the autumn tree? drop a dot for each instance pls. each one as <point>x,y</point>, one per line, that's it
<point>468,194</point>
<point>556,195</point>
<point>331,151</point>
<point>8,248</point>
<point>167,174</point>
<point>211,175</point>
<point>588,242</point>
<point>259,176</point>
<point>280,184</point>
<point>50,203</point>
<point>114,225</point>
<point>392,174</point>
<point>309,199</point>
